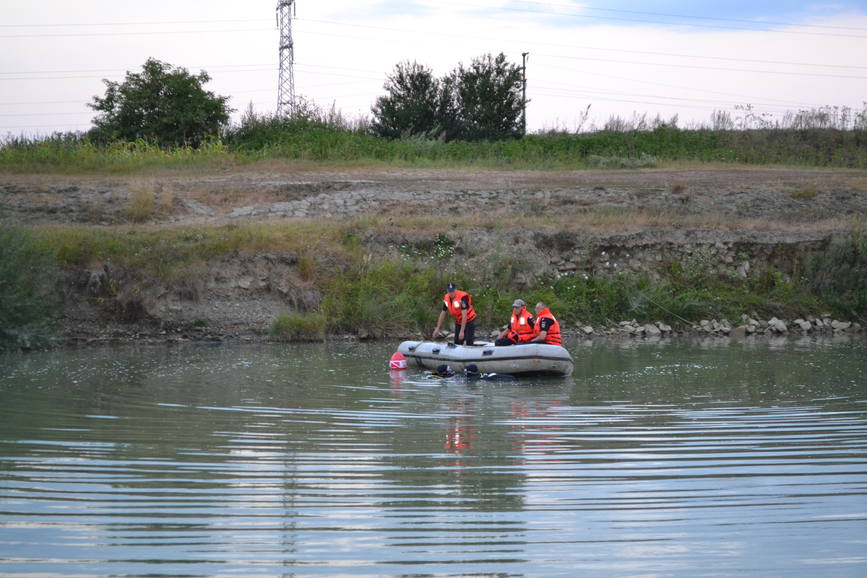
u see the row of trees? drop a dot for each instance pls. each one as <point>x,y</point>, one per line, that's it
<point>483,101</point>
<point>169,106</point>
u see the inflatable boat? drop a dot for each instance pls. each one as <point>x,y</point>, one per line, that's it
<point>523,359</point>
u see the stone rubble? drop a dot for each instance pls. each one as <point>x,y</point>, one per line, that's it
<point>748,326</point>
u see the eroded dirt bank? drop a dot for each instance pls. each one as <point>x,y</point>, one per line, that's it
<point>595,222</point>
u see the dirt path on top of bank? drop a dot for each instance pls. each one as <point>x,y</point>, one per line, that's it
<point>773,198</point>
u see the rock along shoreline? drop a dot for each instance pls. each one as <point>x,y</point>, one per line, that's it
<point>817,327</point>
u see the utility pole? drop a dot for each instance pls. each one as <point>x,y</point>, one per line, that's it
<point>524,92</point>
<point>286,80</point>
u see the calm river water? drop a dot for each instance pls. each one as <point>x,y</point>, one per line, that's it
<point>678,459</point>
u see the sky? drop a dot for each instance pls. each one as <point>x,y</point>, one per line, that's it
<point>617,57</point>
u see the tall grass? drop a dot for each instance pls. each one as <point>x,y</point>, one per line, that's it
<point>826,137</point>
<point>27,273</point>
<point>75,153</point>
<point>298,327</point>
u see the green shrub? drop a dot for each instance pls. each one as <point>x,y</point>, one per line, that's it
<point>384,298</point>
<point>838,275</point>
<point>298,327</point>
<point>27,271</point>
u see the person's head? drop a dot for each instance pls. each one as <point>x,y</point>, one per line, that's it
<point>540,306</point>
<point>517,305</point>
<point>451,288</point>
<point>472,370</point>
<point>444,370</point>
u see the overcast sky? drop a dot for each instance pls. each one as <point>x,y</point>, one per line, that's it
<point>618,56</point>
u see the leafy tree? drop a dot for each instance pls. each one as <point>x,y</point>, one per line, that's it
<point>483,101</point>
<point>409,108</point>
<point>161,104</point>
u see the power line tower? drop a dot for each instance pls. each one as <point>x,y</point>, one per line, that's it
<point>286,82</point>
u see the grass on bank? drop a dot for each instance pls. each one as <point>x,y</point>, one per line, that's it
<point>27,274</point>
<point>620,145</point>
<point>295,327</point>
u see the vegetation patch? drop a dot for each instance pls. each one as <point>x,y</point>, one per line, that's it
<point>805,193</point>
<point>27,276</point>
<point>838,276</point>
<point>327,137</point>
<point>369,286</point>
<point>298,327</point>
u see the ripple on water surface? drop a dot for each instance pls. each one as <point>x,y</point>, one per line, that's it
<point>674,460</point>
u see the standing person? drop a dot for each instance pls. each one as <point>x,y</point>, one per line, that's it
<point>547,328</point>
<point>460,305</point>
<point>520,329</point>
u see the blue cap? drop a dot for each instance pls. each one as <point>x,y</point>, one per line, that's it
<point>451,287</point>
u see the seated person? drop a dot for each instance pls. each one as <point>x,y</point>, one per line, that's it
<point>520,329</point>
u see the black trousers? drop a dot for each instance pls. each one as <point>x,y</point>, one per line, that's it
<point>504,341</point>
<point>469,333</point>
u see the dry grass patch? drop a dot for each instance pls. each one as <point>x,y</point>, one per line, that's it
<point>140,206</point>
<point>149,199</point>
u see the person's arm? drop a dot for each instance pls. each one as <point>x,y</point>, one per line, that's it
<point>543,331</point>
<point>541,337</point>
<point>463,324</point>
<point>436,331</point>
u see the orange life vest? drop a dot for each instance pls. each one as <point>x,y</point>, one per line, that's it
<point>552,337</point>
<point>520,329</point>
<point>454,305</point>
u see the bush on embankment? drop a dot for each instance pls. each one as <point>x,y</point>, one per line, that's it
<point>839,277</point>
<point>26,277</point>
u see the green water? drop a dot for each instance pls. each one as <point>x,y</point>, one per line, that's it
<point>665,459</point>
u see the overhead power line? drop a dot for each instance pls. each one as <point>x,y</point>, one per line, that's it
<point>723,19</point>
<point>741,97</point>
<point>696,17</point>
<point>405,31</point>
<point>134,33</point>
<point>567,9</point>
<point>544,10</point>
<point>702,67</point>
<point>586,47</point>
<point>243,69</point>
<point>151,23</point>
<point>606,95</point>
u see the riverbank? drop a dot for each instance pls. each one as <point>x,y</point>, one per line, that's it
<point>365,251</point>
<point>773,330</point>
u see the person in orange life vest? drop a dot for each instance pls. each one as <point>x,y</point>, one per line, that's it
<point>460,305</point>
<point>520,329</point>
<point>547,329</point>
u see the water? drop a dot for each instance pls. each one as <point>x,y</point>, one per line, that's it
<point>679,459</point>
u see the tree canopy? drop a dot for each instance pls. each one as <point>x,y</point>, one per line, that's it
<point>410,107</point>
<point>483,101</point>
<point>161,104</point>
